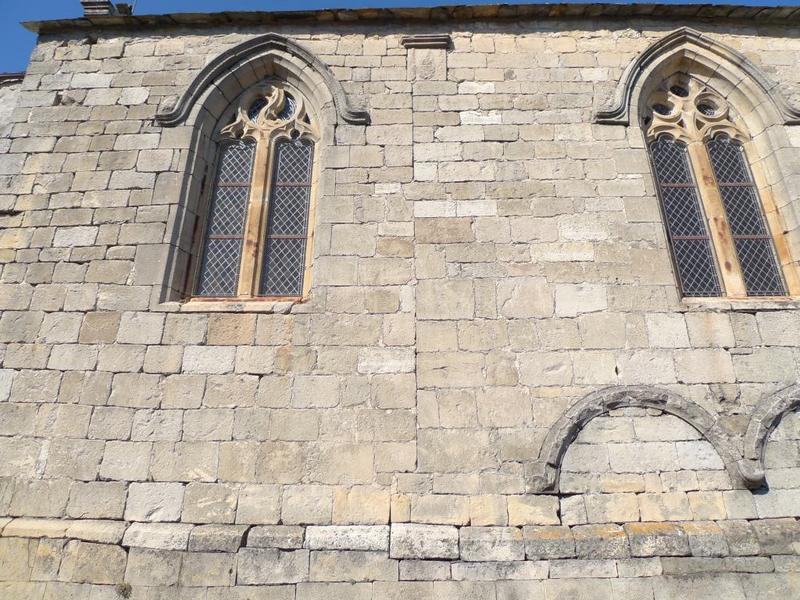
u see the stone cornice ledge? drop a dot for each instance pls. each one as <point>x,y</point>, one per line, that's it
<point>426,40</point>
<point>784,15</point>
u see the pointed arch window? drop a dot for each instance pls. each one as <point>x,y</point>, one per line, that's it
<point>258,233</point>
<point>723,241</point>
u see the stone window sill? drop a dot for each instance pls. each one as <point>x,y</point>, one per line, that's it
<point>740,304</point>
<point>236,305</point>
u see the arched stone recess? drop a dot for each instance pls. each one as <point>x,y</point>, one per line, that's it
<point>199,112</point>
<point>694,46</point>
<point>765,418</point>
<point>230,71</point>
<point>542,476</point>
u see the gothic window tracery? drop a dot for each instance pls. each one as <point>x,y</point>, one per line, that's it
<point>258,230</point>
<point>718,232</point>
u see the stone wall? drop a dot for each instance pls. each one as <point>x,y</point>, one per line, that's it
<point>486,257</point>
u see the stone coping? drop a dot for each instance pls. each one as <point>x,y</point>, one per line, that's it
<point>721,540</point>
<point>752,14</point>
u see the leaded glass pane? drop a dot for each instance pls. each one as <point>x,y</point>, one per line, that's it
<point>287,225</point>
<point>751,237</point>
<point>686,227</point>
<point>222,251</point>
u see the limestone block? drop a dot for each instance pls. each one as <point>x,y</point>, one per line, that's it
<point>16,556</point>
<point>385,360</point>
<point>153,567</point>
<point>488,510</point>
<point>532,510</point>
<point>97,500</point>
<point>157,425</point>
<point>154,502</point>
<point>524,297</point>
<point>307,504</point>
<point>454,451</point>
<point>445,299</point>
<point>208,359</point>
<point>158,536</point>
<point>705,538</point>
<point>326,591</point>
<point>361,504</point>
<point>216,538</point>
<point>36,528</point>
<point>605,508</point>
<point>126,461</point>
<point>657,539</point>
<point>423,541</point>
<point>103,532</point>
<point>424,570</point>
<point>545,368</point>
<point>450,369</point>
<point>740,537</point>
<point>38,498</point>
<point>776,536</point>
<point>574,299</point>
<point>491,544</point>
<point>85,562</point>
<point>258,504</point>
<point>184,461</point>
<point>600,541</point>
<point>283,537</point>
<point>670,506</point>
<point>266,566</point>
<point>352,566</point>
<point>231,329</point>
<point>778,503</point>
<point>140,328</point>
<point>544,542</point>
<point>500,571</point>
<point>209,503</point>
<point>183,391</point>
<point>207,569</point>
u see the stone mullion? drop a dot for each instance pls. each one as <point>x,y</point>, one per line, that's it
<point>256,216</point>
<point>718,227</point>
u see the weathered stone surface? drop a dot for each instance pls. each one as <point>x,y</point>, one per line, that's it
<point>352,537</point>
<point>657,539</point>
<point>159,536</point>
<point>85,562</point>
<point>423,541</point>
<point>491,544</point>
<point>257,566</point>
<point>545,542</point>
<point>347,565</point>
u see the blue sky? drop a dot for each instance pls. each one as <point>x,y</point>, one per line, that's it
<point>16,43</point>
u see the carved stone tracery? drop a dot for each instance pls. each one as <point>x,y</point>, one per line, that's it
<point>270,111</point>
<point>689,111</point>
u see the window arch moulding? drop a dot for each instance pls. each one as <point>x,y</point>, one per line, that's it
<point>695,46</point>
<point>761,115</point>
<point>725,234</point>
<point>202,111</point>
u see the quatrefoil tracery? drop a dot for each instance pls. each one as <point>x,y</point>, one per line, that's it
<point>687,110</point>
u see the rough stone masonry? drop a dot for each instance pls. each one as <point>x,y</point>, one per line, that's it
<point>494,389</point>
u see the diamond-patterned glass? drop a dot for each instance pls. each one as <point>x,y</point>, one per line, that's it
<point>670,161</point>
<point>287,226</point>
<point>686,227</point>
<point>751,237</point>
<point>761,275</point>
<point>695,262</point>
<point>222,251</point>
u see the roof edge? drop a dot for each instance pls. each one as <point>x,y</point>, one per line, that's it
<point>759,14</point>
